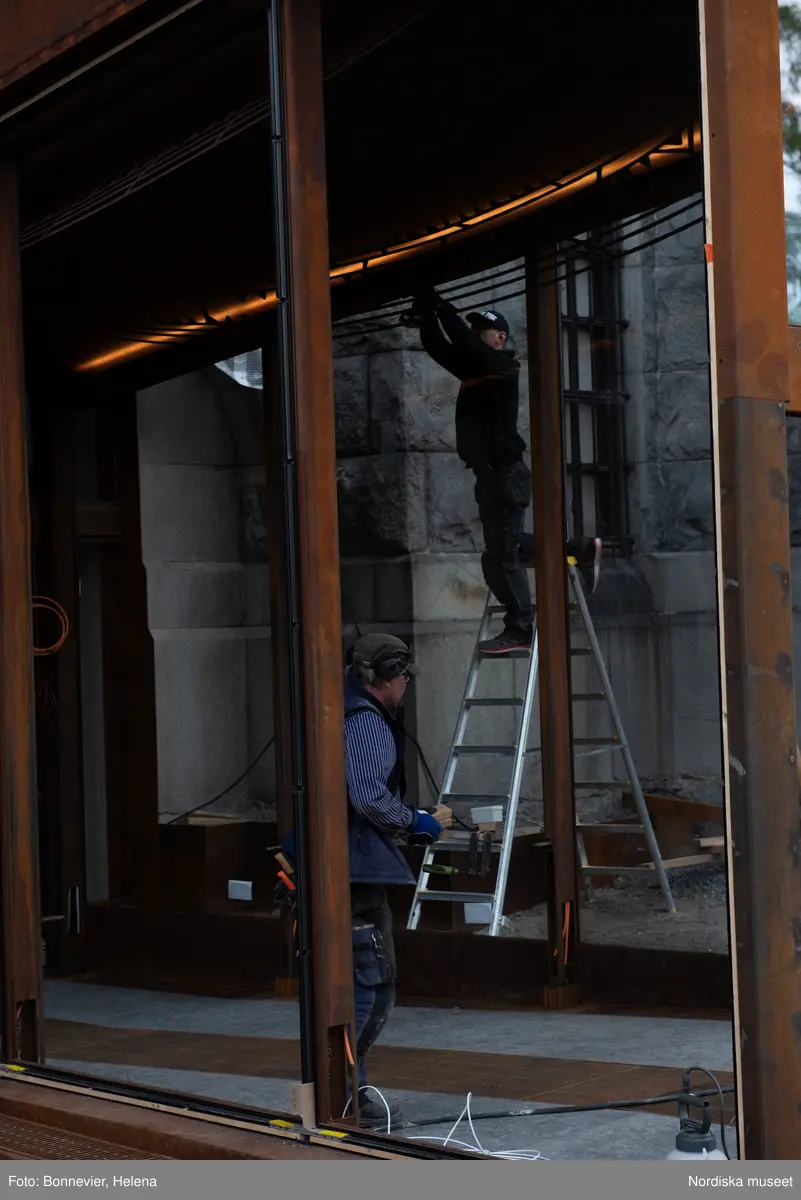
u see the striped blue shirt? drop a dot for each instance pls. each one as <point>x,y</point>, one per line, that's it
<point>369,761</point>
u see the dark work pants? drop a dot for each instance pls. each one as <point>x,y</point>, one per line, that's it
<point>373,1004</point>
<point>502,498</point>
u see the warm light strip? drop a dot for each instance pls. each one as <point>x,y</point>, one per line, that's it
<point>641,160</point>
<point>135,349</point>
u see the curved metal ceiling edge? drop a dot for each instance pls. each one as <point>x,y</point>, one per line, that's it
<point>642,160</point>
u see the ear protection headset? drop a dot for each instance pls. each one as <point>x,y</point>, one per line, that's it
<point>389,667</point>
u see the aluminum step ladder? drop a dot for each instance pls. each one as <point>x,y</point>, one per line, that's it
<point>518,752</point>
<point>616,743</point>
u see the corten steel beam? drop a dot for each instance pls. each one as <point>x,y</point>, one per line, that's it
<point>556,716</point>
<point>19,886</point>
<point>749,348</point>
<point>312,547</point>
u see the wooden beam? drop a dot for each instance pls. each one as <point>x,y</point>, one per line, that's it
<point>19,867</point>
<point>312,549</point>
<point>556,717</point>
<point>741,90</point>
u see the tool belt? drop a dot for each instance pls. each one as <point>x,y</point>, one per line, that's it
<point>372,966</point>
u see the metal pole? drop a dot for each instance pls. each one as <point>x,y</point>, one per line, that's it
<point>749,349</point>
<point>556,712</point>
<point>19,864</point>
<point>312,548</point>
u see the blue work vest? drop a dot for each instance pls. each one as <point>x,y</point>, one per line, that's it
<point>374,857</point>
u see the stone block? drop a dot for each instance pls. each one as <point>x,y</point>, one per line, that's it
<point>448,587</point>
<point>686,247</point>
<point>681,318</point>
<point>195,596</point>
<point>260,719</point>
<point>352,405</point>
<point>680,583</point>
<point>374,333</point>
<point>683,426</point>
<point>382,505</point>
<point>256,577</point>
<point>412,404</point>
<point>181,421</point>
<point>453,522</point>
<point>358,591</point>
<point>253,500</point>
<point>189,513</point>
<point>201,716</point>
<point>394,592</point>
<point>243,409</point>
<point>672,508</point>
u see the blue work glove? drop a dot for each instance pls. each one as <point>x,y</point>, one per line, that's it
<point>425,826</point>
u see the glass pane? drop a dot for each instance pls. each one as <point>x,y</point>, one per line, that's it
<point>181,986</point>
<point>584,339</point>
<point>790,29</point>
<point>582,288</point>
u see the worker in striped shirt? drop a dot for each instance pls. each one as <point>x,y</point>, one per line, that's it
<point>379,672</point>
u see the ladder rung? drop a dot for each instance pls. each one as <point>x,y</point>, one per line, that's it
<point>457,897</point>
<point>457,845</point>
<point>499,702</point>
<point>588,696</point>
<point>505,750</point>
<point>464,797</point>
<point>598,828</point>
<point>646,870</point>
<point>504,657</point>
<point>603,783</point>
<point>597,741</point>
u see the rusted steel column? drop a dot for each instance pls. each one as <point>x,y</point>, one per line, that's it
<point>749,347</point>
<point>556,714</point>
<point>19,862</point>
<point>312,548</point>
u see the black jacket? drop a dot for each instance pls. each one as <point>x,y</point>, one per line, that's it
<point>488,401</point>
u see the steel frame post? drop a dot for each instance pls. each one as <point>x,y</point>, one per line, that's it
<point>19,860</point>
<point>280,632</point>
<point>749,351</point>
<point>556,711</point>
<point>312,550</point>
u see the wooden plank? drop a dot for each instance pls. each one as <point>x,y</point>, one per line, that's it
<point>18,806</point>
<point>794,350</point>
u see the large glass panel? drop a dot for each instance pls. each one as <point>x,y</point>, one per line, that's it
<point>639,473</point>
<point>167,973</point>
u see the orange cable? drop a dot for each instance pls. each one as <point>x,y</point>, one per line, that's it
<point>46,604</point>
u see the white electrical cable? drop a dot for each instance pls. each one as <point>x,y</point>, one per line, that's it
<point>477,1148</point>
<point>368,1087</point>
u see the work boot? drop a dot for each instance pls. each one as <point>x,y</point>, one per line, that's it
<point>373,1113</point>
<point>511,639</point>
<point>588,554</point>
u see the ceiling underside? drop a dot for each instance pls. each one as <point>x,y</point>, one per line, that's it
<point>145,189</point>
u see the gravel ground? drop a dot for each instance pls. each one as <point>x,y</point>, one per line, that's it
<point>633,914</point>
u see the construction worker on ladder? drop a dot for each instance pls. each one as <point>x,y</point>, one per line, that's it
<point>380,668</point>
<point>488,443</point>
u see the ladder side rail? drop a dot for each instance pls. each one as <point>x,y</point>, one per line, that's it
<point>514,791</point>
<point>639,799</point>
<point>453,759</point>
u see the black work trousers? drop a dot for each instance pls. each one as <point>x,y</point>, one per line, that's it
<point>503,497</point>
<point>373,979</point>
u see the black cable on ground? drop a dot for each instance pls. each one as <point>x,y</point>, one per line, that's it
<point>559,1109</point>
<point>720,1091</point>
<point>230,787</point>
